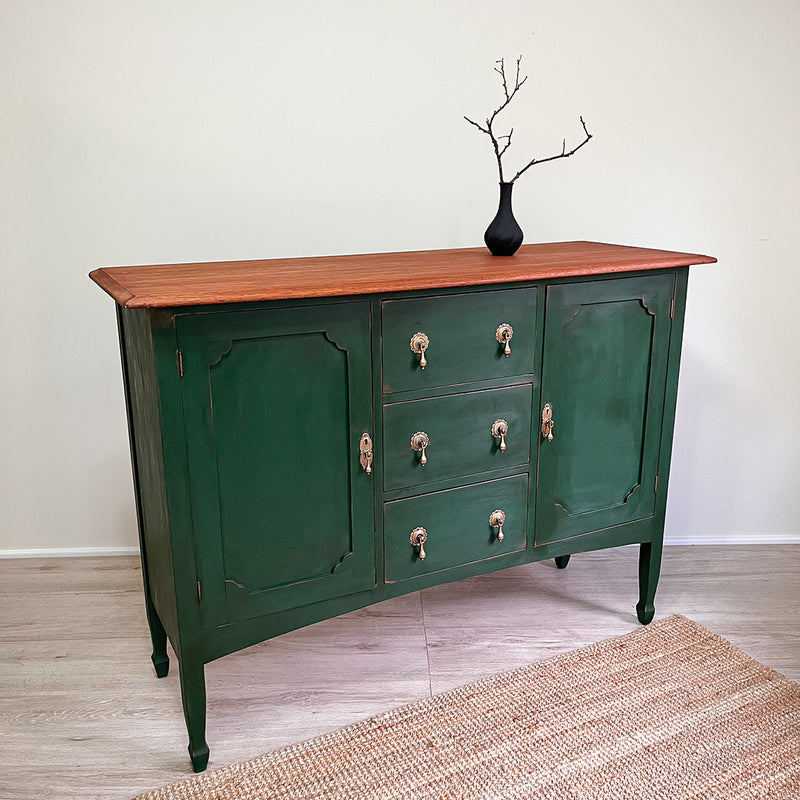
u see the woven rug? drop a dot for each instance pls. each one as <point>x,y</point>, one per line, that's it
<point>670,710</point>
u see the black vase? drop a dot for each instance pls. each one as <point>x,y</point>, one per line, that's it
<point>503,236</point>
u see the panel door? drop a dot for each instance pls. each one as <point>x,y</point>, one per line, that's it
<point>275,403</point>
<point>606,346</point>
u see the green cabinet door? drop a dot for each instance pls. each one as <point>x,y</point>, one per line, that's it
<point>275,403</point>
<point>606,347</point>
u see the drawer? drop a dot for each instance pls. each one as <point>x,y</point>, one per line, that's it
<point>462,338</point>
<point>457,526</point>
<point>459,429</point>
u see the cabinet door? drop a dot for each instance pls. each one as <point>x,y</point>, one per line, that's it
<point>606,346</point>
<point>275,403</point>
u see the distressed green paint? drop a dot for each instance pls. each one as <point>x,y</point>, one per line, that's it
<point>457,525</point>
<point>256,517</point>
<point>141,402</point>
<point>604,372</point>
<point>459,428</point>
<point>462,332</point>
<point>275,405</point>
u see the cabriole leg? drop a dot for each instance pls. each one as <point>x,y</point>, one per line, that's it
<point>193,694</point>
<point>649,569</point>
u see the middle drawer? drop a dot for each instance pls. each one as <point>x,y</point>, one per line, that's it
<point>456,435</point>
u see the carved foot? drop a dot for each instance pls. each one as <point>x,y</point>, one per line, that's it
<point>158,636</point>
<point>193,694</point>
<point>161,664</point>
<point>561,561</point>
<point>199,756</point>
<point>644,613</point>
<point>649,568</point>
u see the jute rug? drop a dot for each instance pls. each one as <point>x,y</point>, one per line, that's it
<point>668,711</point>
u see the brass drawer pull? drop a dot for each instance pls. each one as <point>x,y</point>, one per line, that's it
<point>500,431</point>
<point>504,334</point>
<point>547,422</point>
<point>419,344</point>
<point>419,441</point>
<point>365,452</point>
<point>418,538</point>
<point>497,519</point>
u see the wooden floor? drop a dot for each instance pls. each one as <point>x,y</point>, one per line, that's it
<point>82,714</point>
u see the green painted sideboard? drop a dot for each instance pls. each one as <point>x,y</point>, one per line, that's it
<point>310,436</point>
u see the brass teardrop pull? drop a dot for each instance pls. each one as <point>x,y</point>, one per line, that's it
<point>420,441</point>
<point>503,335</point>
<point>500,431</point>
<point>419,344</point>
<point>418,538</point>
<point>497,519</point>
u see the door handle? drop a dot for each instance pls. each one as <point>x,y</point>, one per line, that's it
<point>365,454</point>
<point>547,422</point>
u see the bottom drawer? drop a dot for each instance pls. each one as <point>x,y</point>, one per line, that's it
<point>457,527</point>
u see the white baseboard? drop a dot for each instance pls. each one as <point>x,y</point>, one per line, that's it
<point>735,538</point>
<point>79,552</point>
<point>70,552</point>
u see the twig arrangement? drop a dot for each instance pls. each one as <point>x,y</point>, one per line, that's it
<point>506,138</point>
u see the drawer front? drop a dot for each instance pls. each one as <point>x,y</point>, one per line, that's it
<point>459,429</point>
<point>456,522</point>
<point>462,335</point>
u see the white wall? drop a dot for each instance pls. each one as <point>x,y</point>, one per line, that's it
<point>150,132</point>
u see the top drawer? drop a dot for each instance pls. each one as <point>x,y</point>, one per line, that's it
<point>461,330</point>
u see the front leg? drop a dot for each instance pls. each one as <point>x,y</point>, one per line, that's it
<point>158,636</point>
<point>193,695</point>
<point>649,569</point>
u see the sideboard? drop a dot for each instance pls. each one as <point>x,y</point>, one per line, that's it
<point>310,436</point>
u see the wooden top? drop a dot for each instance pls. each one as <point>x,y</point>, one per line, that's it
<point>170,285</point>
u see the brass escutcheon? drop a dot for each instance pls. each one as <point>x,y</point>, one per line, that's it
<point>500,431</point>
<point>418,538</point>
<point>497,519</point>
<point>503,335</point>
<point>419,344</point>
<point>547,422</point>
<point>419,441</point>
<point>365,452</point>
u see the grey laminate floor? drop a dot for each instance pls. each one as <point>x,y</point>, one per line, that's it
<point>82,714</point>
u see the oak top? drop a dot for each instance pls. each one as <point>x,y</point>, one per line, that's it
<point>168,285</point>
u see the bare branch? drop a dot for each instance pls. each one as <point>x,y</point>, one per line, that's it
<point>496,139</point>
<point>495,144</point>
<point>502,73</point>
<point>562,154</point>
<point>508,142</point>
<point>518,82</point>
<point>498,154</point>
<point>508,95</point>
<point>472,122</point>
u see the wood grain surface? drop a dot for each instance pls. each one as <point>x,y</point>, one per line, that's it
<point>170,285</point>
